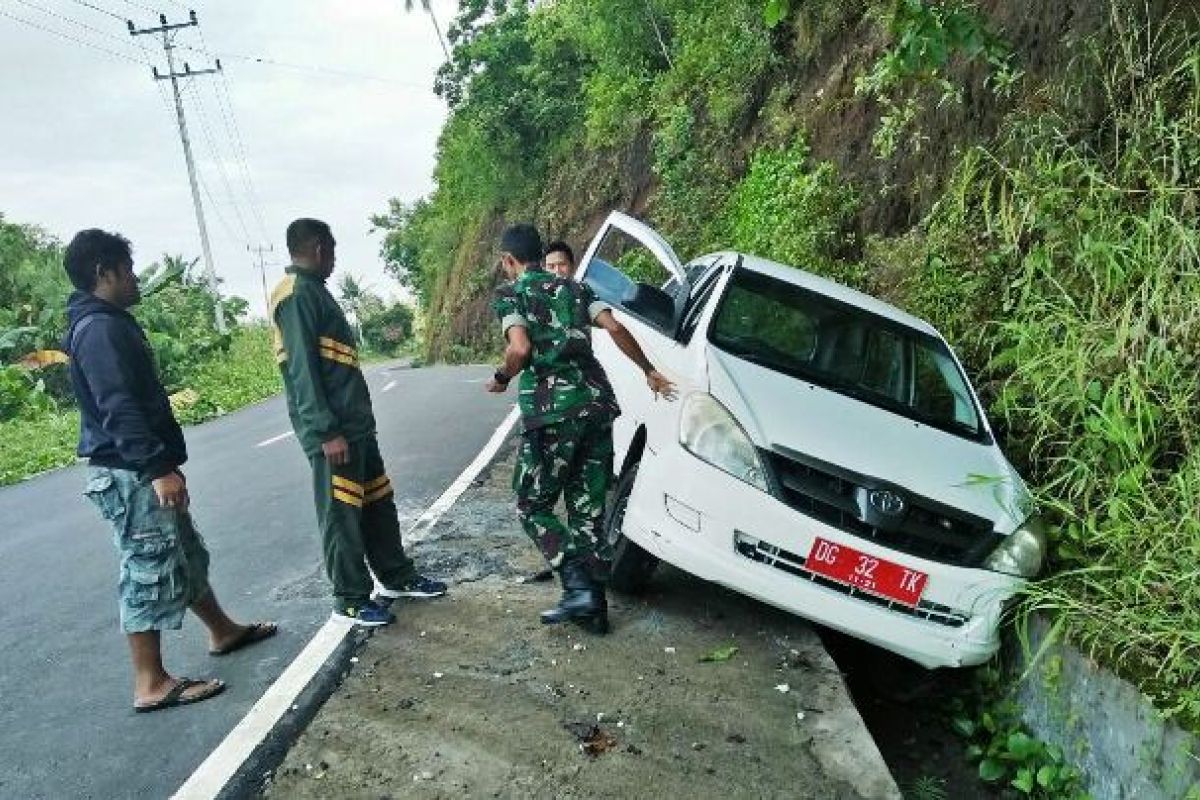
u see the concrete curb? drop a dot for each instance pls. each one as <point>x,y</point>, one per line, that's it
<point>1106,727</point>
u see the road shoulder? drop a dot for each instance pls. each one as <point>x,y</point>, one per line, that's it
<point>469,696</point>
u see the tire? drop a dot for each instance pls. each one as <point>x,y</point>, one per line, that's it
<point>632,566</point>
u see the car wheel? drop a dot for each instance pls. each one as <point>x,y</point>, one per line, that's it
<point>632,566</point>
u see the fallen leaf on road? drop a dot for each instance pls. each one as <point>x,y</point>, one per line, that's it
<point>721,653</point>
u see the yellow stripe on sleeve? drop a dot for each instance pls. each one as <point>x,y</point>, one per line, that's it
<point>340,358</point>
<point>334,344</point>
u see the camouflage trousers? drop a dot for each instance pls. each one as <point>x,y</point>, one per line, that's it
<point>572,459</point>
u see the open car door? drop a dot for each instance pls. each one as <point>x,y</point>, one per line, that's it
<point>631,267</point>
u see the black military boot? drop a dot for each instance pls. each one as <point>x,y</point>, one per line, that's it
<point>582,601</point>
<point>596,623</point>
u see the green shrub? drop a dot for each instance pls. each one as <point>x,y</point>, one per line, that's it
<point>245,374</point>
<point>793,211</point>
<point>21,395</point>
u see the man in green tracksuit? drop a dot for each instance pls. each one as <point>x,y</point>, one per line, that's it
<point>330,409</point>
<point>567,409</point>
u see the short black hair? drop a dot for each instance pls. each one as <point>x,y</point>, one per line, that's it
<point>522,242</point>
<point>94,251</point>
<point>559,246</point>
<point>303,233</point>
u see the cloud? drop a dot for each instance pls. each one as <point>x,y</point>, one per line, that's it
<point>87,139</point>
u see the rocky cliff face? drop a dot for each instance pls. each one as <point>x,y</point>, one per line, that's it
<point>808,90</point>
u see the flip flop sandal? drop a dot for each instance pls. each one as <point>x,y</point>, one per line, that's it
<point>252,634</point>
<point>175,696</point>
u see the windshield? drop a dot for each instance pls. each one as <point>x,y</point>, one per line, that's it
<point>783,327</point>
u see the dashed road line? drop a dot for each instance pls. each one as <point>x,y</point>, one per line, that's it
<point>274,439</point>
<point>391,385</point>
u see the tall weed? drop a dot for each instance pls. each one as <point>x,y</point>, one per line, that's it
<point>1073,246</point>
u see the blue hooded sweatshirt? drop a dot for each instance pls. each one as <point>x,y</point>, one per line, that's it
<point>126,421</point>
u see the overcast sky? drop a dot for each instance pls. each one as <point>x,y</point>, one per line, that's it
<point>86,140</point>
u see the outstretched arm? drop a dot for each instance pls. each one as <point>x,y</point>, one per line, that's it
<point>633,351</point>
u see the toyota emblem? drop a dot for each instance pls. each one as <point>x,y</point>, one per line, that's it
<point>886,502</point>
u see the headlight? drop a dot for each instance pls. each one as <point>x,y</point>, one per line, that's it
<point>710,433</point>
<point>1022,552</point>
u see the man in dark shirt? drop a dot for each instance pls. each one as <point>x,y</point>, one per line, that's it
<point>135,449</point>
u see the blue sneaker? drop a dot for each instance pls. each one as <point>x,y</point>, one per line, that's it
<point>416,586</point>
<point>369,615</point>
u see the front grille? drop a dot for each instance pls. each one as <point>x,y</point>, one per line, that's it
<point>793,564</point>
<point>926,529</point>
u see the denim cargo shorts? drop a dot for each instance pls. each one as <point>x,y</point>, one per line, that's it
<point>164,563</point>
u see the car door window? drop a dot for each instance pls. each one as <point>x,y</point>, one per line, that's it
<point>625,273</point>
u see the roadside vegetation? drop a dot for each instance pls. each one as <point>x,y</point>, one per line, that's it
<point>1036,200</point>
<point>207,373</point>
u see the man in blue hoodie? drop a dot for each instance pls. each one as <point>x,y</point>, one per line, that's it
<point>135,449</point>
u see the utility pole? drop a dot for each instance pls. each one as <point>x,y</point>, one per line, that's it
<point>167,31</point>
<point>262,268</point>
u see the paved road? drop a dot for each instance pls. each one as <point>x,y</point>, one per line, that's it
<point>66,726</point>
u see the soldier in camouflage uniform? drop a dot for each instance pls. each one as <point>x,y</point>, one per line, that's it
<point>330,409</point>
<point>567,408</point>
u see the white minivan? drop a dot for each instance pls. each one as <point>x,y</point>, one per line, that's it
<point>826,453</point>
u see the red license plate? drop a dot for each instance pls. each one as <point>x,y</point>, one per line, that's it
<point>847,565</point>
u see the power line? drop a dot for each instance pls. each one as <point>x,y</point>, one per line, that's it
<point>212,203</point>
<point>72,21</point>
<point>74,39</point>
<point>98,9</point>
<point>218,161</point>
<point>234,132</point>
<point>240,149</point>
<point>142,7</point>
<point>340,73</point>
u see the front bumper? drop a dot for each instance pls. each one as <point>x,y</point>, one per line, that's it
<point>723,530</point>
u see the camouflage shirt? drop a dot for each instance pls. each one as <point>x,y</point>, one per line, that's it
<point>563,380</point>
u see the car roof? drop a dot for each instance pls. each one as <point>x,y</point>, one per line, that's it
<point>829,288</point>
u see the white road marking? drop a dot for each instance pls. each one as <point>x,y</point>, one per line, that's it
<point>423,525</point>
<point>216,770</point>
<point>222,763</point>
<point>274,439</point>
<point>390,386</point>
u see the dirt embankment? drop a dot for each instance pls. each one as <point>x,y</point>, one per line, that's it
<point>469,697</point>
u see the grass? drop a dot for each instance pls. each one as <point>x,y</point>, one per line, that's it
<point>36,445</point>
<point>1072,251</point>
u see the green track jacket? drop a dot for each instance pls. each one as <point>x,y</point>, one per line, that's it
<point>314,344</point>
